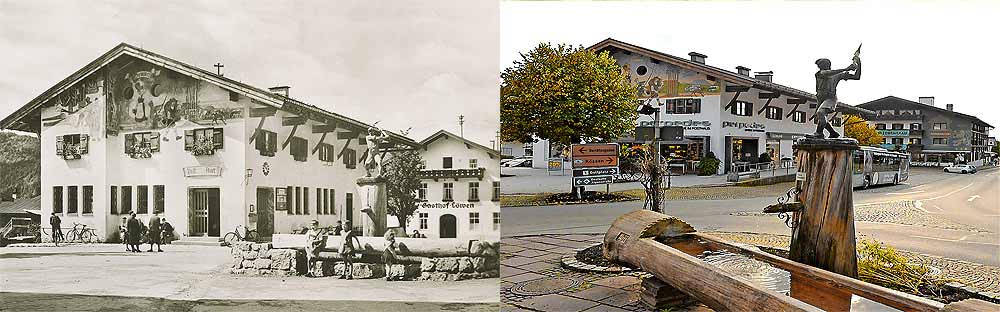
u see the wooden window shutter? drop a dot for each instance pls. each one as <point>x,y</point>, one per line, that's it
<point>217,138</point>
<point>188,140</point>
<point>290,199</point>
<point>272,142</point>
<point>59,145</point>
<point>154,141</point>
<point>84,143</point>
<point>129,143</point>
<point>261,141</point>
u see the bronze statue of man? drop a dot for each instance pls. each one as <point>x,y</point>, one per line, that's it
<point>826,91</point>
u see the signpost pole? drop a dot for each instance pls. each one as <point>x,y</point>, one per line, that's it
<point>655,176</point>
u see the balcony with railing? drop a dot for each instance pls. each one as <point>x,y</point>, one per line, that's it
<point>913,117</point>
<point>456,174</point>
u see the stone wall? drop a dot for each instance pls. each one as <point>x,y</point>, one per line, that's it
<point>458,268</point>
<point>260,259</point>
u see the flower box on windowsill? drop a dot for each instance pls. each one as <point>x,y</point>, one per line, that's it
<point>203,152</point>
<point>69,156</point>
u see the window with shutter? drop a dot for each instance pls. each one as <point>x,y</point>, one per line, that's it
<point>272,142</point>
<point>188,140</point>
<point>350,158</point>
<point>217,138</point>
<point>154,142</point>
<point>84,143</point>
<point>59,146</point>
<point>129,143</point>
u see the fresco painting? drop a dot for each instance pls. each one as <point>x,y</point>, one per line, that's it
<point>77,106</point>
<point>663,80</point>
<point>147,97</point>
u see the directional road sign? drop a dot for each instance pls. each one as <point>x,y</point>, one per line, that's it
<point>595,172</point>
<point>595,161</point>
<point>594,180</point>
<point>595,150</point>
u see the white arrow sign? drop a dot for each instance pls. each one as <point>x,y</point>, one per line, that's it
<point>973,197</point>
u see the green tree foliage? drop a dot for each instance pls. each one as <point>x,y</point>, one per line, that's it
<point>709,165</point>
<point>565,95</point>
<point>857,128</point>
<point>402,171</point>
<point>19,166</point>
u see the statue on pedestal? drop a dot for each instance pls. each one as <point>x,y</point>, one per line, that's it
<point>826,91</point>
<point>375,138</point>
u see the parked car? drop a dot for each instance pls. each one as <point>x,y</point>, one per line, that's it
<point>524,162</point>
<point>960,169</point>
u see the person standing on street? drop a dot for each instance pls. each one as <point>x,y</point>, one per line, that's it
<point>154,232</point>
<point>316,238</point>
<point>123,230</point>
<point>348,249</point>
<point>134,232</point>
<point>389,253</point>
<point>55,222</point>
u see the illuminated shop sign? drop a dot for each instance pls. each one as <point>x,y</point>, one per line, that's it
<point>687,124</point>
<point>892,133</point>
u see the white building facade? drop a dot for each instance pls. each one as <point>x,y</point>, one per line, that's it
<point>460,189</point>
<point>733,115</point>
<point>138,132</point>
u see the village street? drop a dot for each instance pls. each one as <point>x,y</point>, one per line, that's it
<point>189,276</point>
<point>936,213</point>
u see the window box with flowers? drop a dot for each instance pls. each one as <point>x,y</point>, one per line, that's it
<point>203,141</point>
<point>72,146</point>
<point>142,144</point>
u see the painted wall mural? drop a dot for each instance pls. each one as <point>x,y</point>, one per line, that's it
<point>144,96</point>
<point>663,80</point>
<point>71,106</point>
<point>140,96</point>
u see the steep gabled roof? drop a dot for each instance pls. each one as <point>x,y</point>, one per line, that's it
<point>24,118</point>
<point>729,76</point>
<point>468,143</point>
<point>892,98</point>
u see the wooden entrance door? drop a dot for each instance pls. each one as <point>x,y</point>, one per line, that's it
<point>447,226</point>
<point>203,212</point>
<point>265,211</point>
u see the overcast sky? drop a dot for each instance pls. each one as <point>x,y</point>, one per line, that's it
<point>416,64</point>
<point>948,50</point>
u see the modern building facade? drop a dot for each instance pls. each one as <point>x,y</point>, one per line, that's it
<point>135,131</point>
<point>730,113</point>
<point>933,136</point>
<point>460,189</point>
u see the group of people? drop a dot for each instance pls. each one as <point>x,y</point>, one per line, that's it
<point>350,247</point>
<point>133,230</point>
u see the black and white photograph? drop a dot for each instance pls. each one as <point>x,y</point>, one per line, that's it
<point>249,155</point>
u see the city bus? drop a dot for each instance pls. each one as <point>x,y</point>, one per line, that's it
<point>874,165</point>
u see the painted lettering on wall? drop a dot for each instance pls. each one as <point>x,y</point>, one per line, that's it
<point>687,124</point>
<point>446,205</point>
<point>747,126</point>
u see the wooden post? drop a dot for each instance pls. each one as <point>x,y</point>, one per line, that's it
<point>824,237</point>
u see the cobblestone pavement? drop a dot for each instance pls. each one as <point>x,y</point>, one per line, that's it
<point>979,276</point>
<point>530,261</point>
<point>905,212</point>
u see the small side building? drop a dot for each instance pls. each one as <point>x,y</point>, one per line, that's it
<point>460,192</point>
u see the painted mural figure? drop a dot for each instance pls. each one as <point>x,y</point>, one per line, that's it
<point>826,91</point>
<point>375,137</point>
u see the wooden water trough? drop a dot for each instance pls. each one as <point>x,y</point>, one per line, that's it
<point>667,247</point>
<point>410,250</point>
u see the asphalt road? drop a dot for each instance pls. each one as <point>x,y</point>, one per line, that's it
<point>971,200</point>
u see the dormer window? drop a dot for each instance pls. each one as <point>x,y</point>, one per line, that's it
<point>72,146</point>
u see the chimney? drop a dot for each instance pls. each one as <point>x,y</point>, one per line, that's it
<point>926,100</point>
<point>951,107</point>
<point>765,76</point>
<point>745,71</point>
<point>280,90</point>
<point>697,57</point>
